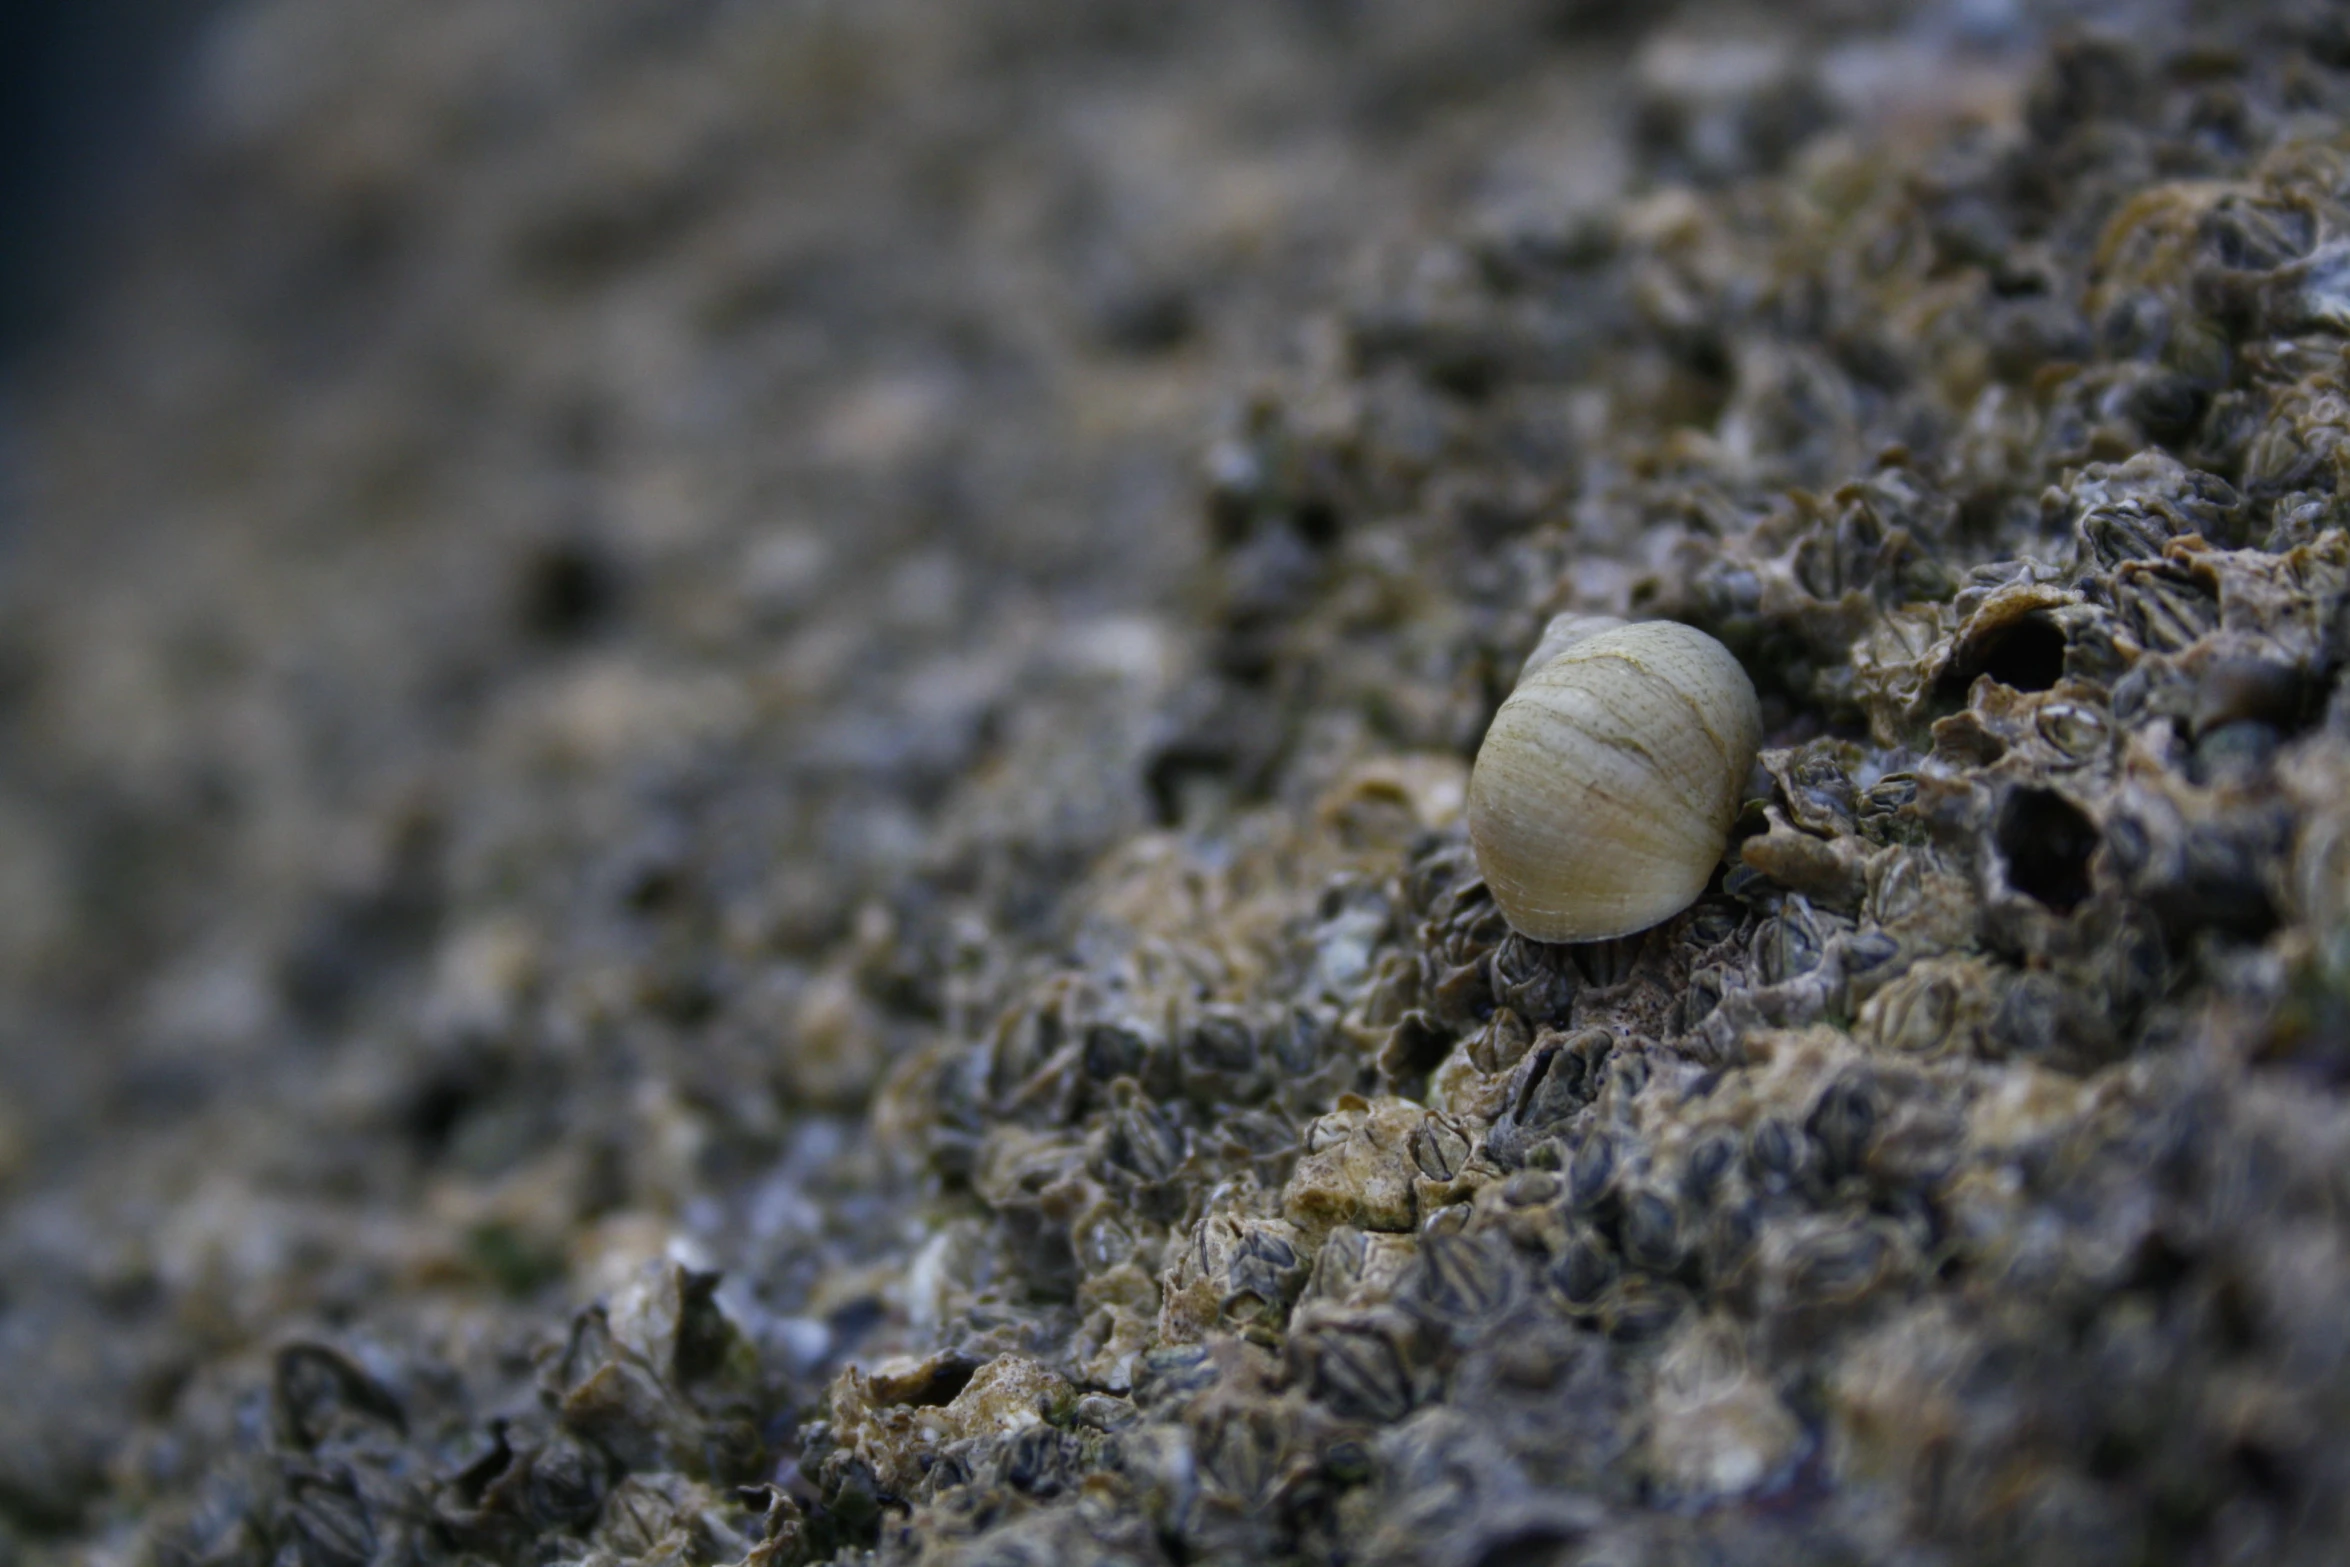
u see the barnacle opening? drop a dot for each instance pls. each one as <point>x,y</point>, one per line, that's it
<point>2025,654</point>
<point>1417,1046</point>
<point>566,590</point>
<point>2046,841</point>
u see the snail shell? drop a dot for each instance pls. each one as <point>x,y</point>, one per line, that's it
<point>1604,792</point>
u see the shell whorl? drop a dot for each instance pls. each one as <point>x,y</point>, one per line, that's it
<point>1605,788</point>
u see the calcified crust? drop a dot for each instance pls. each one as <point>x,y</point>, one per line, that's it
<point>1606,785</point>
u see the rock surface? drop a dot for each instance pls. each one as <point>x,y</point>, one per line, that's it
<point>734,750</point>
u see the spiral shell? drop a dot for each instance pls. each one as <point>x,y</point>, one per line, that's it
<point>1604,792</point>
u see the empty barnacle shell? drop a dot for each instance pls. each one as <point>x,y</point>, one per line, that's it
<point>1604,792</point>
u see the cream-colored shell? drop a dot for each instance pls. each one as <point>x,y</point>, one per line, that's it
<point>1604,792</point>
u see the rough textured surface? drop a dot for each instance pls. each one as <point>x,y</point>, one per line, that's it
<point>680,888</point>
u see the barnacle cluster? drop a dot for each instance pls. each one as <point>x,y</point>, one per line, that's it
<point>1963,1168</point>
<point>1145,1140</point>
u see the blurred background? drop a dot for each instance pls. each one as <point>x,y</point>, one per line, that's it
<point>86,88</point>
